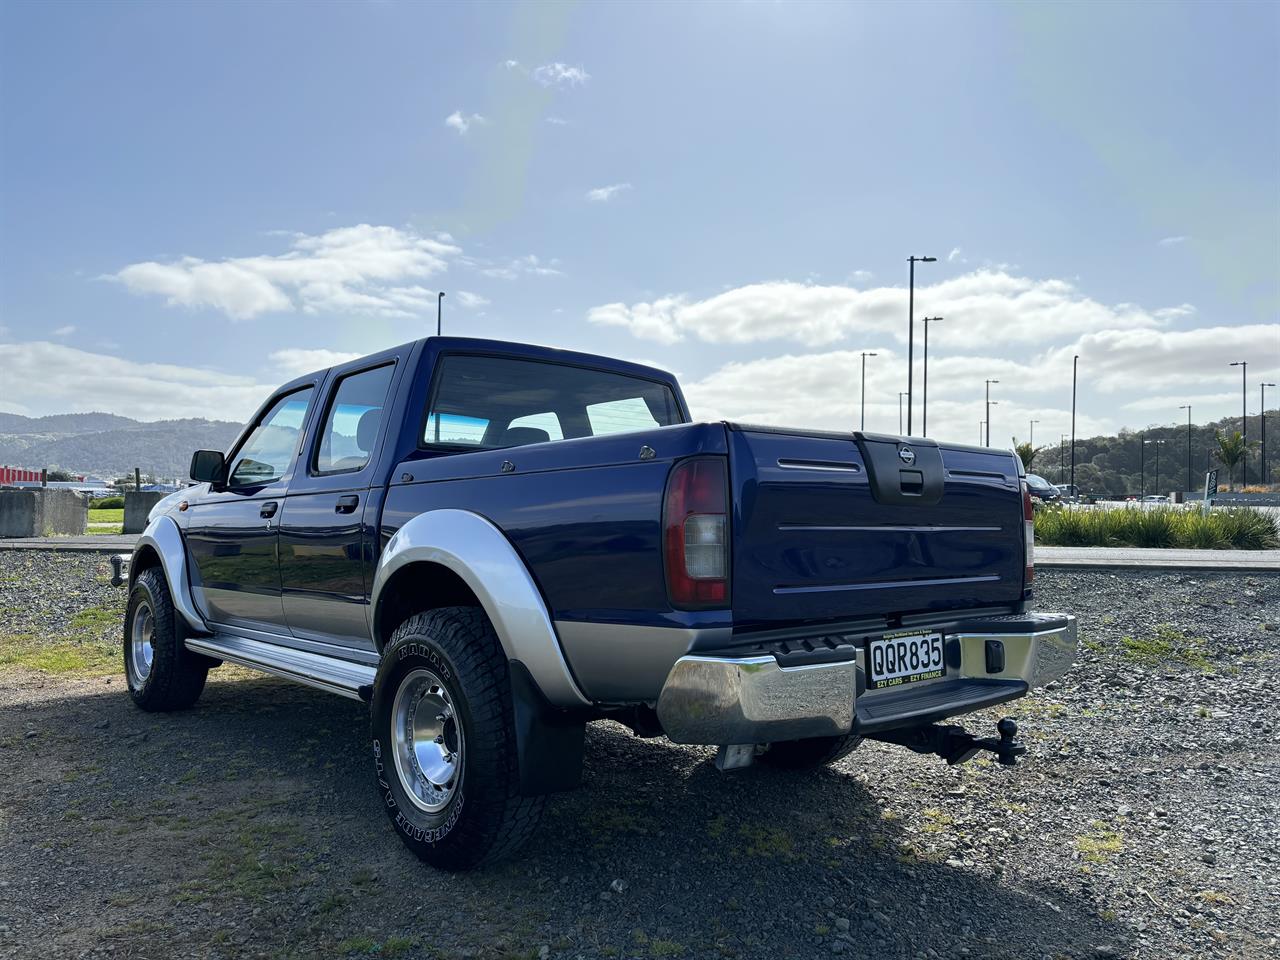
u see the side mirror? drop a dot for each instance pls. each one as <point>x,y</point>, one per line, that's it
<point>207,466</point>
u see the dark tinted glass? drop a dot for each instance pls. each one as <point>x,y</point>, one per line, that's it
<point>487,402</point>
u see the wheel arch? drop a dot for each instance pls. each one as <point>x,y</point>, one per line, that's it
<point>455,557</point>
<point>161,545</point>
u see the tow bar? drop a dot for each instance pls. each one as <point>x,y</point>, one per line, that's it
<point>956,745</point>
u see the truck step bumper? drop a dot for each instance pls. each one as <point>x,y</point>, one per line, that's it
<point>753,699</point>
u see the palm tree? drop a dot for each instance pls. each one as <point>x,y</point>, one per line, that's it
<point>1232,450</point>
<point>1026,453</point>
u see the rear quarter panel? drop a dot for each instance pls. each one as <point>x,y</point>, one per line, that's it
<point>585,515</point>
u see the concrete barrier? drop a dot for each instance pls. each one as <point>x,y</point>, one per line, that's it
<point>137,504</point>
<point>43,512</point>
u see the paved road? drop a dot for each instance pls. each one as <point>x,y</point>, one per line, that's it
<point>1095,557</point>
<point>96,544</point>
<point>1134,557</point>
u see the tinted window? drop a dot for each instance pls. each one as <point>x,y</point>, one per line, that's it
<point>489,402</point>
<point>351,426</point>
<point>266,454</point>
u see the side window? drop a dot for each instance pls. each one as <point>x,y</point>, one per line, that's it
<point>351,425</point>
<point>269,449</point>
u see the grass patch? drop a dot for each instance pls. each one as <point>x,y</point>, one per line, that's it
<point>93,659</point>
<point>98,618</point>
<point>1100,844</point>
<point>1166,646</point>
<point>1233,528</point>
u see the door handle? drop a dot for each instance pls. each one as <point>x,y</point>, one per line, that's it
<point>268,510</point>
<point>346,504</point>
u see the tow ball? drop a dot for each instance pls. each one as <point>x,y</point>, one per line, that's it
<point>956,744</point>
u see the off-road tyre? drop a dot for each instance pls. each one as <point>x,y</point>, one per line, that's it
<point>810,753</point>
<point>484,818</point>
<point>174,678</point>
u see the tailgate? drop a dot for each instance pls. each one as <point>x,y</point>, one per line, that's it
<point>861,526</point>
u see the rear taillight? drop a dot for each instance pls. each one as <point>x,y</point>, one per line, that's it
<point>1029,530</point>
<point>696,533</point>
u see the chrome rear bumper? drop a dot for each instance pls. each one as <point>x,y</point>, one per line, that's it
<point>737,700</point>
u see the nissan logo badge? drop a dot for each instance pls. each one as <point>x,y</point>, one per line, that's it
<point>907,455</point>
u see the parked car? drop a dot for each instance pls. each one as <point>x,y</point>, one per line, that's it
<point>1042,490</point>
<point>493,544</point>
<point>1155,498</point>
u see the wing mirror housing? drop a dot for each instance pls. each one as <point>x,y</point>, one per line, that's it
<point>207,466</point>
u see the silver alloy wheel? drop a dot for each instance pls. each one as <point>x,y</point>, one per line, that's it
<point>427,741</point>
<point>142,643</point>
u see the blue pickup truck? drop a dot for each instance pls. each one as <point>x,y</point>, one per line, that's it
<point>494,544</point>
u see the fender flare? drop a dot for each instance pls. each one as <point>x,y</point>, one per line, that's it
<point>163,536</point>
<point>481,555</point>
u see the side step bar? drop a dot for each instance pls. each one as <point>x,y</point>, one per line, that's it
<point>313,669</point>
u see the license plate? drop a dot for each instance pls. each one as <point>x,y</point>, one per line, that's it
<point>904,658</point>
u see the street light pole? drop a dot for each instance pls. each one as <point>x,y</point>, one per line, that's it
<point>1074,363</point>
<point>1062,457</point>
<point>911,330</point>
<point>862,420</point>
<point>1244,419</point>
<point>989,383</point>
<point>1187,408</point>
<point>1156,444</point>
<point>439,301</point>
<point>1262,418</point>
<point>924,419</point>
<point>1142,466</point>
<point>901,394</point>
<point>1032,438</point>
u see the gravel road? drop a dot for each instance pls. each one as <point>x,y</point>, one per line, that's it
<point>1142,823</point>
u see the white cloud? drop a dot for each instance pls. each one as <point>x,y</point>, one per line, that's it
<point>462,122</point>
<point>560,75</point>
<point>1171,241</point>
<point>605,194</point>
<point>472,300</point>
<point>956,254</point>
<point>861,277</point>
<point>982,306</point>
<point>295,361</point>
<point>823,389</point>
<point>66,331</point>
<point>530,265</point>
<point>61,379</point>
<point>557,121</point>
<point>359,269</point>
<point>511,64</point>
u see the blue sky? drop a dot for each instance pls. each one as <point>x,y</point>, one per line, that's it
<point>197,200</point>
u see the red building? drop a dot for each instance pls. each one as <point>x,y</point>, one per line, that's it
<point>20,475</point>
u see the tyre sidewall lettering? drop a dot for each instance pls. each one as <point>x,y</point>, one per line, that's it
<point>403,816</point>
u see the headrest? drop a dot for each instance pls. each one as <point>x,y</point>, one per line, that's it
<point>367,429</point>
<point>518,436</point>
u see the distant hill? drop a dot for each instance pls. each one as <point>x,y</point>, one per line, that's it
<point>109,445</point>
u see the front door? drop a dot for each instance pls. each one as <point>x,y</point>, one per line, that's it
<point>326,534</point>
<point>232,533</point>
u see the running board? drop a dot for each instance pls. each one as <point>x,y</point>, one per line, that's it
<point>313,669</point>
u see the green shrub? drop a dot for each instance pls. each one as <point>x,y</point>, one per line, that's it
<point>1239,528</point>
<point>107,503</point>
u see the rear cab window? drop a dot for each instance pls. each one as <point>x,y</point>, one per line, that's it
<point>487,403</point>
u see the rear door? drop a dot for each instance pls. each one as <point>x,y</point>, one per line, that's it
<point>231,531</point>
<point>326,527</point>
<point>843,527</point>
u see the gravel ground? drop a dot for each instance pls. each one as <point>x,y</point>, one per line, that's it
<point>1143,822</point>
